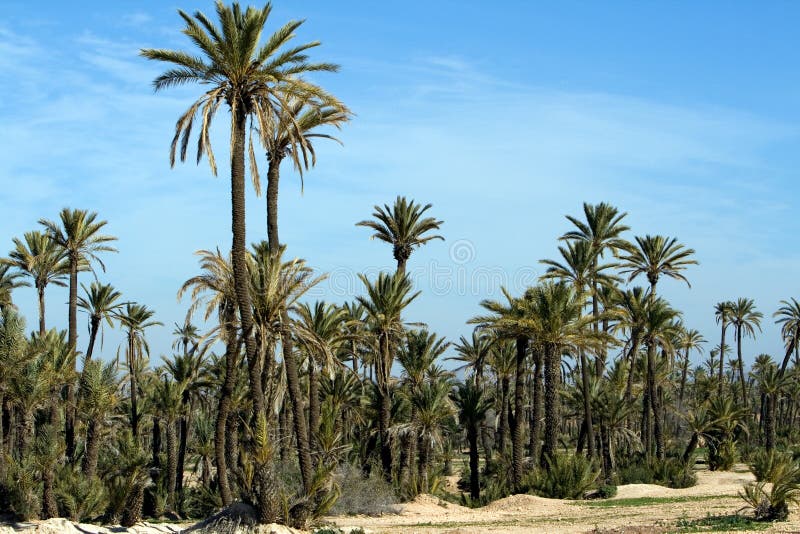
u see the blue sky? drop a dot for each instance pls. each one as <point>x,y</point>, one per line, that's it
<point>506,117</point>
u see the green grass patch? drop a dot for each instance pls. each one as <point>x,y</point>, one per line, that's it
<point>647,501</point>
<point>724,523</point>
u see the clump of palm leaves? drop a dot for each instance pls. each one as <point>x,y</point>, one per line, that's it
<point>23,487</point>
<point>566,476</point>
<point>79,498</point>
<point>770,498</point>
<point>763,464</point>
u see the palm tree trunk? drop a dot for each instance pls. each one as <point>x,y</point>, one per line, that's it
<point>631,370</point>
<point>223,409</point>
<point>132,370</point>
<point>741,364</point>
<point>552,378</point>
<point>95,326</point>
<point>769,423</point>
<point>292,374</point>
<point>172,462</point>
<point>92,448</point>
<point>313,403</point>
<point>155,443</point>
<point>183,439</point>
<point>474,475</point>
<point>40,292</point>
<point>503,426</point>
<point>239,255</point>
<point>517,438</point>
<point>538,404</point>
<point>721,357</point>
<point>49,506</point>
<point>587,405</point>
<point>69,419</point>
<point>684,372</point>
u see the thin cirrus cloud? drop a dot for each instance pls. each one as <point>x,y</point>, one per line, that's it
<point>501,161</point>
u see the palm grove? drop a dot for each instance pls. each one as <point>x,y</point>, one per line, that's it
<point>570,387</point>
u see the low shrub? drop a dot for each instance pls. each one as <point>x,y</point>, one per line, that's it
<point>370,495</point>
<point>606,491</point>
<point>770,498</point>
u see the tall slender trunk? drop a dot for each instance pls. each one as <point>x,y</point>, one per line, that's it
<point>538,404</point>
<point>517,438</point>
<point>172,462</point>
<point>69,412</point>
<point>552,378</point>
<point>239,254</point>
<point>721,356</point>
<point>313,403</point>
<point>132,370</point>
<point>474,475</point>
<point>684,373</point>
<point>40,292</point>
<point>769,422</point>
<point>223,410</point>
<point>502,430</point>
<point>49,505</point>
<point>587,405</point>
<point>632,368</point>
<point>741,364</point>
<point>182,441</point>
<point>155,443</point>
<point>289,360</point>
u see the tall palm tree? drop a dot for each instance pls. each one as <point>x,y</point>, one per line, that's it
<point>788,316</point>
<point>78,233</point>
<point>472,406</point>
<point>167,396</point>
<point>100,303</point>
<point>185,334</point>
<point>745,320</point>
<point>40,258</point>
<point>560,327</point>
<point>385,300</point>
<point>135,318</point>
<point>771,383</point>
<point>474,352</point>
<point>13,357</point>
<point>656,256</point>
<point>580,268</point>
<point>404,226</point>
<point>513,320</point>
<point>722,313</point>
<point>432,409</point>
<point>9,281</point>
<point>602,230</point>
<point>253,80</point>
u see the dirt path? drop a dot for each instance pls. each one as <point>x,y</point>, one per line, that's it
<point>636,508</point>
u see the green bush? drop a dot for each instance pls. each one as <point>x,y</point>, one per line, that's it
<point>79,498</point>
<point>24,488</point>
<point>770,498</point>
<point>566,476</point>
<point>722,455</point>
<point>606,491</point>
<point>763,463</point>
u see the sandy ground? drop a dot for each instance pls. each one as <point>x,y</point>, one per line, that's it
<point>716,494</point>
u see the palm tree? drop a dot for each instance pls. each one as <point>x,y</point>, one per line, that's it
<point>688,341</point>
<point>40,258</point>
<point>580,268</point>
<point>560,327</point>
<point>745,320</point>
<point>432,409</point>
<point>78,234</point>
<point>386,299</point>
<point>771,383</point>
<point>514,320</point>
<point>472,407</point>
<point>9,281</point>
<point>403,226</point>
<point>135,318</point>
<point>100,303</point>
<point>601,230</point>
<point>656,256</point>
<point>254,82</point>
<point>167,397</point>
<point>722,313</point>
<point>98,397</point>
<point>13,358</point>
<point>185,334</point>
<point>474,352</point>
<point>788,316</point>
<point>502,361</point>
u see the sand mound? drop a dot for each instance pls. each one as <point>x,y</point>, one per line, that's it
<point>522,503</point>
<point>633,491</point>
<point>429,505</point>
